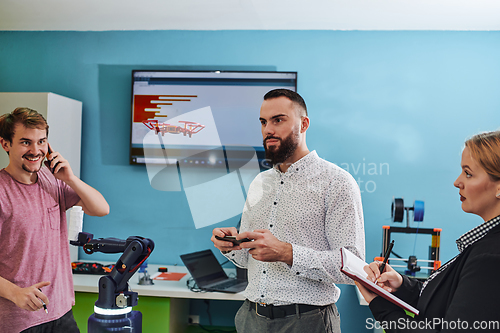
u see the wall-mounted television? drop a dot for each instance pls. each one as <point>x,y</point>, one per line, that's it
<point>199,118</point>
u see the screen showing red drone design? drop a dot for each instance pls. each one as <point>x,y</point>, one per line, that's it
<point>199,118</point>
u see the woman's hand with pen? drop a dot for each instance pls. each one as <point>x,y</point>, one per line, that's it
<point>390,280</point>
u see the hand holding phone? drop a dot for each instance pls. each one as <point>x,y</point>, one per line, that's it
<point>48,162</point>
<point>233,239</point>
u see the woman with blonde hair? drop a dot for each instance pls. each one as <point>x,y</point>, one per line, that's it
<point>464,294</point>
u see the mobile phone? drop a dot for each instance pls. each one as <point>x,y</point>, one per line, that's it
<point>49,151</point>
<point>233,239</point>
<point>47,163</point>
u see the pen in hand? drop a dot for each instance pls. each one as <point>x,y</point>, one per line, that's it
<point>387,253</point>
<point>43,303</point>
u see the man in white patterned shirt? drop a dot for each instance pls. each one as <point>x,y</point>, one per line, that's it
<point>298,215</point>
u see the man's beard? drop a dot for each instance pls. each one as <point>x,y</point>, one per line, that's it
<point>278,155</point>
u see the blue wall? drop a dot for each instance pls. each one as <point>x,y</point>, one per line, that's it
<point>392,108</point>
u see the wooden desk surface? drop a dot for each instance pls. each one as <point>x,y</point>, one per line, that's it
<point>174,289</point>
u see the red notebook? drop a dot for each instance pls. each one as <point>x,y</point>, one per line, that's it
<point>169,276</point>
<point>352,266</point>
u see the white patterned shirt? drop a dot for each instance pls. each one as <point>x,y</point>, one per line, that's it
<point>315,206</point>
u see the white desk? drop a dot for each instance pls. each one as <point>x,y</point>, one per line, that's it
<point>177,292</point>
<point>176,289</point>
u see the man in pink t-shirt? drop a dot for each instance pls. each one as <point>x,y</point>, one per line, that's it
<point>35,267</point>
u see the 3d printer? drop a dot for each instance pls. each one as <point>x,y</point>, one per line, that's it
<point>412,263</point>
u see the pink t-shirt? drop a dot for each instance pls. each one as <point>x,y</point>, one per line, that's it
<point>34,246</point>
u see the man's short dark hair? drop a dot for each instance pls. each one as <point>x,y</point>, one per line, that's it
<point>291,95</point>
<point>27,117</point>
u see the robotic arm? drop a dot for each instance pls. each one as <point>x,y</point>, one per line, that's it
<point>113,288</point>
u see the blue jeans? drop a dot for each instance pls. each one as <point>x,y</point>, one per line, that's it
<point>325,320</point>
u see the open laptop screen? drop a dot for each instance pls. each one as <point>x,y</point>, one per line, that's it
<point>204,267</point>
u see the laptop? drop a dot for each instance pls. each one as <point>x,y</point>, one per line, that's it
<point>209,275</point>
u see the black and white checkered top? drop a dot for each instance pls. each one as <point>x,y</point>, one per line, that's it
<point>476,234</point>
<point>464,241</point>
